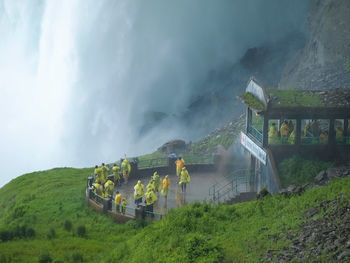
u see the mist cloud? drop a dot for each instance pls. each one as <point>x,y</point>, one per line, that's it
<point>79,77</point>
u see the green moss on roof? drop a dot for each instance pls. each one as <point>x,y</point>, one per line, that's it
<point>294,98</point>
<point>253,102</point>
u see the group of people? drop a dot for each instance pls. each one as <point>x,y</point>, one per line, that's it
<point>104,184</point>
<point>286,134</point>
<point>155,186</point>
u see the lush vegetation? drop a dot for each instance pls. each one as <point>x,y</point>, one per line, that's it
<point>44,215</point>
<point>224,136</point>
<point>298,171</point>
<point>47,218</point>
<point>250,100</point>
<point>294,98</point>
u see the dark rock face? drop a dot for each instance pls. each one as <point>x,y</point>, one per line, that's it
<point>322,62</point>
<point>321,178</point>
<point>174,146</point>
<point>329,235</point>
<point>326,235</point>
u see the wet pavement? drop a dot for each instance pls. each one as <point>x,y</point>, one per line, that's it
<point>196,190</point>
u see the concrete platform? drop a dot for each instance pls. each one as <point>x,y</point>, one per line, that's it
<point>197,190</point>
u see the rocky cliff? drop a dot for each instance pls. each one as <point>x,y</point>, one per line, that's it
<point>321,64</point>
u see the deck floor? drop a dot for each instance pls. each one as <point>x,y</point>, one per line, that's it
<point>197,190</point>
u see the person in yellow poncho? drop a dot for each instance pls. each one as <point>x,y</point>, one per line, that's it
<point>273,134</point>
<point>185,179</point>
<point>284,130</point>
<point>291,138</point>
<point>98,189</point>
<point>324,137</point>
<point>109,188</point>
<point>116,174</point>
<point>166,186</point>
<point>157,182</point>
<point>151,198</point>
<point>98,174</point>
<point>118,201</point>
<point>126,168</point>
<point>138,192</point>
<point>151,183</point>
<point>179,165</point>
<point>105,172</point>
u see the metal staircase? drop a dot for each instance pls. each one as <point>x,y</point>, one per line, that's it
<point>237,182</point>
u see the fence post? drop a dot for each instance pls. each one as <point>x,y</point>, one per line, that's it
<point>134,169</point>
<point>107,205</point>
<point>90,181</point>
<point>171,165</point>
<point>140,212</point>
<point>214,193</point>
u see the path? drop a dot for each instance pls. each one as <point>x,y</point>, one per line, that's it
<point>197,190</point>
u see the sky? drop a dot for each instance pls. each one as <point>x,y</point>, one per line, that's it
<point>78,78</point>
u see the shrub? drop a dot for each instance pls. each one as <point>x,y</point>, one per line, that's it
<point>298,171</point>
<point>81,231</point>
<point>18,212</point>
<point>30,232</point>
<point>77,257</point>
<point>44,257</point>
<point>3,259</point>
<point>52,233</point>
<point>68,225</point>
<point>5,235</point>
<point>201,249</point>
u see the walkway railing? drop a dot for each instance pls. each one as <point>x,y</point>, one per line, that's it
<point>239,182</point>
<point>108,204</point>
<point>198,159</point>
<point>152,163</point>
<point>255,134</point>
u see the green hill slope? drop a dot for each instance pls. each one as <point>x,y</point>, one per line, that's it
<point>46,201</point>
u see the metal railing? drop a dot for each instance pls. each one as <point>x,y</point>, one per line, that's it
<point>152,163</point>
<point>199,159</point>
<point>239,182</point>
<point>256,134</point>
<point>97,198</point>
<point>126,210</point>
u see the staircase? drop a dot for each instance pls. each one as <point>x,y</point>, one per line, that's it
<point>236,187</point>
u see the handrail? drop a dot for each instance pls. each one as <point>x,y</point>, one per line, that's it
<point>255,133</point>
<point>199,159</point>
<point>125,209</point>
<point>153,162</point>
<point>231,187</point>
<point>229,177</point>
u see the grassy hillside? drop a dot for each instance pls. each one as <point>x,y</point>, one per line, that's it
<point>47,201</point>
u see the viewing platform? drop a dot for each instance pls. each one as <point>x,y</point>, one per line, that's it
<point>282,123</point>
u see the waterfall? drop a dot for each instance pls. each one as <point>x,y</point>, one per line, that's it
<point>81,79</point>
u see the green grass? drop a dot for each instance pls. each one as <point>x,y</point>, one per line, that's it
<point>250,100</point>
<point>194,233</point>
<point>294,98</point>
<point>226,136</point>
<point>43,201</point>
<point>298,171</point>
<point>235,233</point>
<point>153,155</point>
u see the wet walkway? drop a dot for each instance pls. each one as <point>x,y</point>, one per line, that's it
<point>197,190</point>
